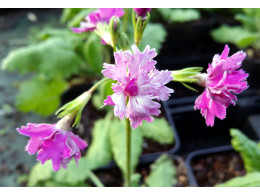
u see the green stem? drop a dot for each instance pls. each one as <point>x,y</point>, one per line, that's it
<point>95,179</point>
<point>128,153</point>
<point>125,20</point>
<point>94,87</point>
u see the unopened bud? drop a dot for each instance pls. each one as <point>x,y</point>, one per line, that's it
<point>123,41</point>
<point>139,24</point>
<point>114,27</point>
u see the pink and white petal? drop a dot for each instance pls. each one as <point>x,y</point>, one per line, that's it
<point>141,61</point>
<point>141,108</point>
<point>120,106</point>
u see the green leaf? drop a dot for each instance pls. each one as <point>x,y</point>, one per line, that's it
<point>51,183</point>
<point>93,51</point>
<point>100,150</point>
<point>247,21</point>
<point>159,130</point>
<point>236,35</point>
<point>184,15</point>
<point>74,174</point>
<point>40,173</point>
<point>54,58</point>
<point>118,145</point>
<point>249,180</point>
<point>248,149</point>
<point>68,13</point>
<point>156,40</point>
<point>135,180</point>
<point>40,96</point>
<point>162,173</point>
<point>179,15</point>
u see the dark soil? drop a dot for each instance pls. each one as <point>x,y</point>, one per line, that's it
<point>213,169</point>
<point>113,177</point>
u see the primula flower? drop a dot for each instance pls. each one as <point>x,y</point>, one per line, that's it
<point>142,11</point>
<point>223,80</point>
<point>101,15</point>
<point>137,79</point>
<point>53,143</point>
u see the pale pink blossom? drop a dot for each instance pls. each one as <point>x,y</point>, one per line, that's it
<point>52,143</point>
<point>137,79</point>
<point>101,15</point>
<point>223,80</point>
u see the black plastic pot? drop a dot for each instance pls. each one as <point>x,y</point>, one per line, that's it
<point>253,122</point>
<point>213,153</point>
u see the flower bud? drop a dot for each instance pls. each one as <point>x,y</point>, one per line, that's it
<point>139,24</point>
<point>74,108</point>
<point>114,27</point>
<point>123,41</point>
<point>142,11</point>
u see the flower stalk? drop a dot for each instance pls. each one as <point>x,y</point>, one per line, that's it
<point>128,153</point>
<point>95,179</point>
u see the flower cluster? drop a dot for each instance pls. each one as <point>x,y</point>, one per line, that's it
<point>223,80</point>
<point>138,84</point>
<point>53,143</point>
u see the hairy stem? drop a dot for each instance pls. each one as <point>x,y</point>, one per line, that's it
<point>128,153</point>
<point>94,87</point>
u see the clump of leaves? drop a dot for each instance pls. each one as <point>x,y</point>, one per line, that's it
<point>243,35</point>
<point>59,56</point>
<point>250,152</point>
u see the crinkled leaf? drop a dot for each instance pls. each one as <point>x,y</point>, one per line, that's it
<point>74,174</point>
<point>162,174</point>
<point>40,173</point>
<point>40,96</point>
<point>156,40</point>
<point>55,58</point>
<point>248,149</point>
<point>118,144</point>
<point>159,130</point>
<point>99,150</point>
<point>249,180</point>
<point>236,35</point>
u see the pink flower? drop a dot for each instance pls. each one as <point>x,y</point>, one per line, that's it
<point>101,15</point>
<point>223,80</point>
<point>142,11</point>
<point>137,79</point>
<point>52,143</point>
